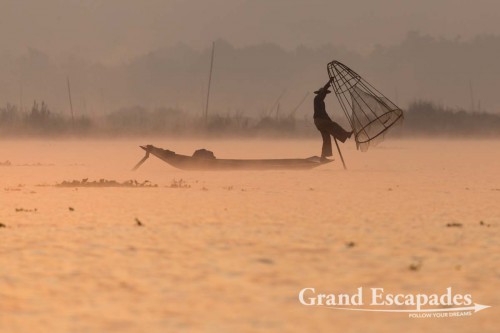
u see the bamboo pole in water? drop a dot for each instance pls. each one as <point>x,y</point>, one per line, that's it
<point>70,101</point>
<point>209,82</point>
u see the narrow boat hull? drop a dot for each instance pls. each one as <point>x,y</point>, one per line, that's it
<point>201,163</point>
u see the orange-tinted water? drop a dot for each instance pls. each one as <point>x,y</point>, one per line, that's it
<point>231,252</point>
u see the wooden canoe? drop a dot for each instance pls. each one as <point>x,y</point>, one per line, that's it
<point>202,163</point>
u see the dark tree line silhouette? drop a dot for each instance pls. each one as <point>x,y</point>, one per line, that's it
<point>422,118</point>
<point>426,118</point>
<point>248,79</point>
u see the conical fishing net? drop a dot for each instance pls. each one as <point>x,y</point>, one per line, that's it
<point>369,113</point>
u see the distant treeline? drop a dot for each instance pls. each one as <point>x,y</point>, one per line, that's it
<point>248,79</point>
<point>40,121</point>
<point>422,118</point>
<point>428,119</point>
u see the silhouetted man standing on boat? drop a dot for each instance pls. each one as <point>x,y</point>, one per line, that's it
<point>326,125</point>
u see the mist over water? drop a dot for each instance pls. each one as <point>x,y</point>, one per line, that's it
<point>122,54</point>
<point>102,232</point>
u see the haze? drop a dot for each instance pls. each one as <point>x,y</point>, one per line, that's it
<point>116,30</point>
<point>45,41</point>
<point>87,244</point>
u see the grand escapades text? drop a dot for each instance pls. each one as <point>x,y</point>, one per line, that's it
<point>378,297</point>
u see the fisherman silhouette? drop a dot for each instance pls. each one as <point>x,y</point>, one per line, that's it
<point>325,125</point>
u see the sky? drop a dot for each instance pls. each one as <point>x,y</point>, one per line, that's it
<point>116,31</point>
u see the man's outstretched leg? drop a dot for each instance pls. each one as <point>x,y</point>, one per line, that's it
<point>338,132</point>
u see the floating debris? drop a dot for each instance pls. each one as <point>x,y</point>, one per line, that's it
<point>416,265</point>
<point>12,189</point>
<point>181,183</point>
<point>350,244</point>
<point>454,225</point>
<point>482,223</point>
<point>138,222</point>
<point>2,225</point>
<point>266,261</point>
<point>71,209</point>
<point>105,183</point>
<point>38,164</point>
<point>24,210</point>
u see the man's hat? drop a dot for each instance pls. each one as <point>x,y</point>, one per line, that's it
<point>321,90</point>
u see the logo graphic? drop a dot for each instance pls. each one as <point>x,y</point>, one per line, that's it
<point>447,304</point>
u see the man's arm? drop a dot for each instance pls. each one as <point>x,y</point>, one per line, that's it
<point>327,85</point>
